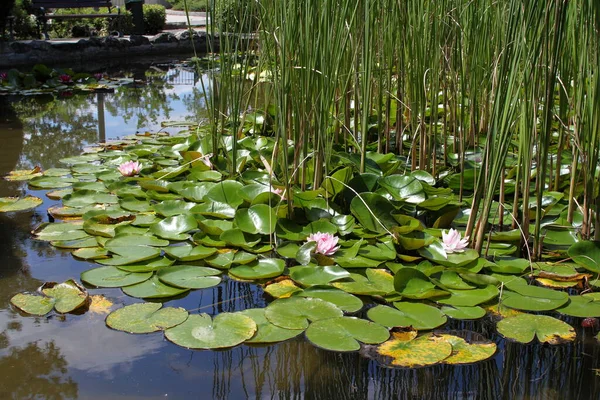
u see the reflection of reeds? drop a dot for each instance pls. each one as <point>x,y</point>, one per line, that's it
<point>432,81</point>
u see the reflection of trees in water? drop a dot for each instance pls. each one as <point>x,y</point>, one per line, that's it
<point>36,371</point>
<point>148,103</point>
<point>195,105</point>
<point>55,128</point>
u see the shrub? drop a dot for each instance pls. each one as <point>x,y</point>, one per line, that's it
<point>25,24</point>
<point>88,26</point>
<point>236,15</point>
<point>192,5</point>
<point>155,18</point>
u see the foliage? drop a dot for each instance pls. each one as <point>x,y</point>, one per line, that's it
<point>25,25</point>
<point>235,15</point>
<point>155,18</point>
<point>192,5</point>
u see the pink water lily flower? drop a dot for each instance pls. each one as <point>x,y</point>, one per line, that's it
<point>65,78</point>
<point>3,76</point>
<point>279,192</point>
<point>326,243</point>
<point>130,168</point>
<point>452,243</point>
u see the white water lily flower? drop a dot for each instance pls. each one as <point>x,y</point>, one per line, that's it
<point>452,243</point>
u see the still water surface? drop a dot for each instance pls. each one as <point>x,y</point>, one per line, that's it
<point>78,357</point>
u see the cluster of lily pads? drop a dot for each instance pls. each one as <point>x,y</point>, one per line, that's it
<point>350,263</point>
<point>44,80</point>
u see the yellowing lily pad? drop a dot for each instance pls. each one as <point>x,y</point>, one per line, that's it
<point>466,353</point>
<point>523,328</point>
<point>145,318</point>
<point>203,332</point>
<point>68,295</point>
<point>282,289</point>
<point>409,352</point>
<point>345,333</point>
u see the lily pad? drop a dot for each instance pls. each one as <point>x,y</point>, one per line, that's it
<point>261,269</point>
<point>345,333</point>
<point>12,204</point>
<point>266,331</point>
<point>152,288</point>
<point>586,254</point>
<point>345,301</point>
<point>187,252</point>
<point>414,284</point>
<point>416,315</point>
<point>68,295</point>
<point>470,298</point>
<point>435,253</point>
<point>581,306</point>
<point>295,312</point>
<point>145,318</point>
<point>203,332</point>
<point>175,227</point>
<point>373,211</point>
<point>408,351</point>
<point>113,277</point>
<point>533,298</point>
<point>523,328</point>
<point>467,353</point>
<point>259,218</point>
<point>308,275</point>
<point>33,304</point>
<point>189,277</point>
<point>378,282</point>
<point>463,312</point>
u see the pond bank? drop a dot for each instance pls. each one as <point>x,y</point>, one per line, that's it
<point>85,50</point>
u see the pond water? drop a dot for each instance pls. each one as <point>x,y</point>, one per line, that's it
<point>78,357</point>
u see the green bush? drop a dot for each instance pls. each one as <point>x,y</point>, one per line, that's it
<point>192,5</point>
<point>25,24</point>
<point>88,26</point>
<point>155,18</point>
<point>236,15</point>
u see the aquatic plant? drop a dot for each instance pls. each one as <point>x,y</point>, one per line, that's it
<point>130,168</point>
<point>326,243</point>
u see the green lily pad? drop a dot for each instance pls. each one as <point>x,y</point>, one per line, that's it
<point>586,254</point>
<point>379,282</point>
<point>403,187</point>
<point>51,182</point>
<point>407,351</point>
<point>75,244</point>
<point>82,198</point>
<point>259,218</point>
<point>373,211</point>
<point>435,253</point>
<point>470,298</point>
<point>113,277</point>
<point>60,231</point>
<point>345,301</point>
<point>580,306</point>
<point>295,312</point>
<point>175,227</point>
<point>261,269</point>
<point>463,312</point>
<point>413,284</point>
<point>308,275</point>
<point>345,333</point>
<point>226,192</point>
<point>266,331</point>
<point>203,332</point>
<point>170,208</point>
<point>152,288</point>
<point>145,318</point>
<point>532,298</point>
<point>147,266</point>
<point>12,204</point>
<point>189,277</point>
<point>91,253</point>
<point>416,315</point>
<point>33,304</point>
<point>187,252</point>
<point>523,328</point>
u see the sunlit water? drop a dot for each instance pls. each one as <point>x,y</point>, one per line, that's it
<point>77,356</point>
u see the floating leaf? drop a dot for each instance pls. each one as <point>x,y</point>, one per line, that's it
<point>373,211</point>
<point>345,301</point>
<point>203,332</point>
<point>580,306</point>
<point>146,318</point>
<point>533,298</point>
<point>379,282</point>
<point>266,331</point>
<point>413,284</point>
<point>523,328</point>
<point>12,204</point>
<point>435,253</point>
<point>295,312</point>
<point>466,353</point>
<point>190,277</point>
<point>261,269</point>
<point>463,312</point>
<point>586,254</point>
<point>308,275</point>
<point>416,315</point>
<point>175,227</point>
<point>99,304</point>
<point>281,289</point>
<point>33,304</point>
<point>187,252</point>
<point>470,298</point>
<point>152,288</point>
<point>60,231</point>
<point>345,333</point>
<point>410,352</point>
<point>68,295</point>
<point>113,277</point>
<point>259,218</point>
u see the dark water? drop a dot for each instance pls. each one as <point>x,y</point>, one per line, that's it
<point>78,357</point>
